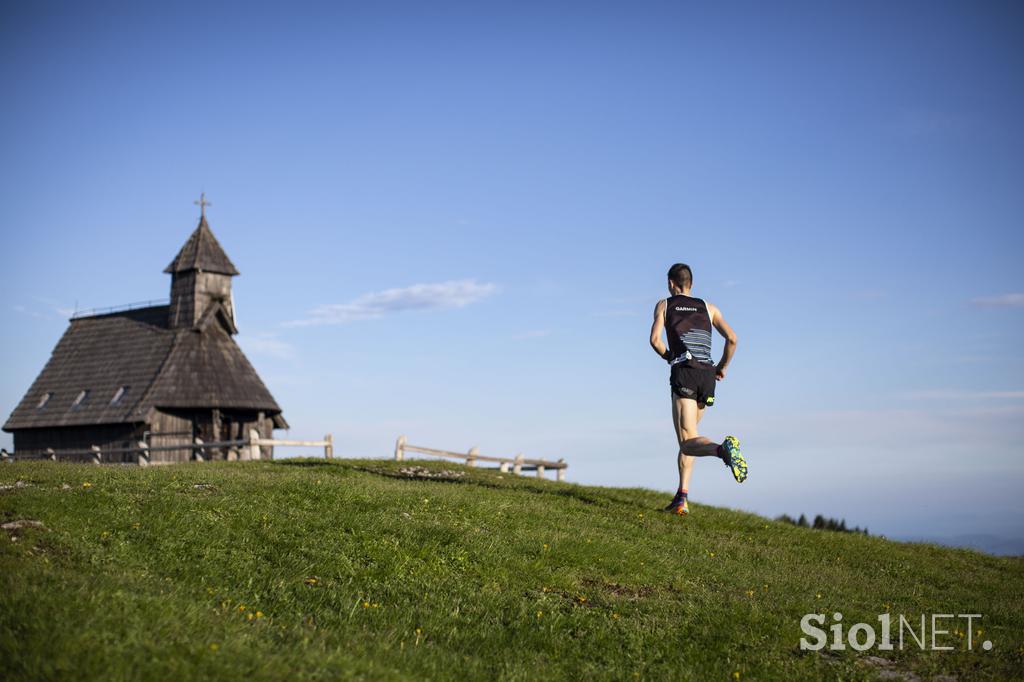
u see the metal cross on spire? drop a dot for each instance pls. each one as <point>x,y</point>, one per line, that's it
<point>202,204</point>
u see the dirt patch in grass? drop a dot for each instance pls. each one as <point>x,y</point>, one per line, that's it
<point>620,591</point>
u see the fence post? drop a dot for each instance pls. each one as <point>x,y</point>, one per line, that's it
<point>96,454</point>
<point>517,467</point>
<point>254,444</point>
<point>471,457</point>
<point>540,471</point>
<point>329,448</point>
<point>198,451</point>
<point>143,453</point>
<point>400,449</point>
<point>560,474</point>
<point>51,455</point>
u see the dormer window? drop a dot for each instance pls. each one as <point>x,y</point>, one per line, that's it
<point>118,395</point>
<point>42,401</point>
<point>80,400</point>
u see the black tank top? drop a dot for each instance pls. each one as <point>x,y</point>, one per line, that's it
<point>688,327</point>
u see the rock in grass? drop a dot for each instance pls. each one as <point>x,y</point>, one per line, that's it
<point>22,523</point>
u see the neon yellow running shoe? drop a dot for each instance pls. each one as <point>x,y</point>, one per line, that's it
<point>733,458</point>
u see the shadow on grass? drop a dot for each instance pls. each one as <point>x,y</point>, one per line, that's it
<point>568,492</point>
<point>307,463</point>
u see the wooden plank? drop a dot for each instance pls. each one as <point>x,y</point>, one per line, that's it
<point>296,443</point>
<point>484,458</point>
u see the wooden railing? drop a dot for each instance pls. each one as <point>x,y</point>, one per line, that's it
<point>516,464</point>
<point>247,449</point>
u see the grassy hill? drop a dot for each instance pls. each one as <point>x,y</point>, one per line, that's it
<point>429,570</point>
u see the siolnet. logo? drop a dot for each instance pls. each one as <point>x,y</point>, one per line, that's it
<point>862,636</point>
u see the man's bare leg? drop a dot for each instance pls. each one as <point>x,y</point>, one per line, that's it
<point>690,444</point>
<point>682,435</point>
<point>694,445</point>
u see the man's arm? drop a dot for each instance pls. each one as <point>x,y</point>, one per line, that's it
<point>730,340</point>
<point>659,325</point>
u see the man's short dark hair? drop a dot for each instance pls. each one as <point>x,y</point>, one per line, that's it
<point>681,274</point>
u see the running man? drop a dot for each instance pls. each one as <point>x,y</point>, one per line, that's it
<point>687,322</point>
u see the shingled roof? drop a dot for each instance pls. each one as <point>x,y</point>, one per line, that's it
<point>202,251</point>
<point>198,367</point>
<point>99,354</point>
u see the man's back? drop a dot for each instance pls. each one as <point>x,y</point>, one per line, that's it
<point>688,328</point>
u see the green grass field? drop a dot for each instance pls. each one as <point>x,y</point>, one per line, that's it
<point>305,569</point>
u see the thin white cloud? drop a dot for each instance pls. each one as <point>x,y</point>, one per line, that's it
<point>268,345</point>
<point>439,296</point>
<point>956,394</point>
<point>48,309</point>
<point>615,313</point>
<point>31,313</point>
<point>532,334</point>
<point>1002,301</point>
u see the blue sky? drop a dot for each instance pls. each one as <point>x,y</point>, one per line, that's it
<point>843,179</point>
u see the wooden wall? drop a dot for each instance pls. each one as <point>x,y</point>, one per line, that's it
<point>32,442</point>
<point>192,293</point>
<point>213,425</point>
<point>171,427</point>
<point>168,427</point>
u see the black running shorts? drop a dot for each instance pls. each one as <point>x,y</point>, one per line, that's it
<point>693,382</point>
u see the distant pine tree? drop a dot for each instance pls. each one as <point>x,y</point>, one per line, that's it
<point>822,523</point>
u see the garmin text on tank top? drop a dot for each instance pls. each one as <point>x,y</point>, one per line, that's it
<point>688,327</point>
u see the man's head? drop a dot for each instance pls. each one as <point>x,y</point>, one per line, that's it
<point>680,278</point>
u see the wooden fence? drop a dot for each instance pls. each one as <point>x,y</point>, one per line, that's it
<point>516,464</point>
<point>247,449</point>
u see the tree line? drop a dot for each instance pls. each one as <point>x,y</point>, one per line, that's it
<point>822,523</point>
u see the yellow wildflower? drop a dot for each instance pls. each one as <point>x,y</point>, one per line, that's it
<point>87,485</point>
<point>214,646</point>
<point>241,607</point>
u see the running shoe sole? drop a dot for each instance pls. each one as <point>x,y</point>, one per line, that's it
<point>736,463</point>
